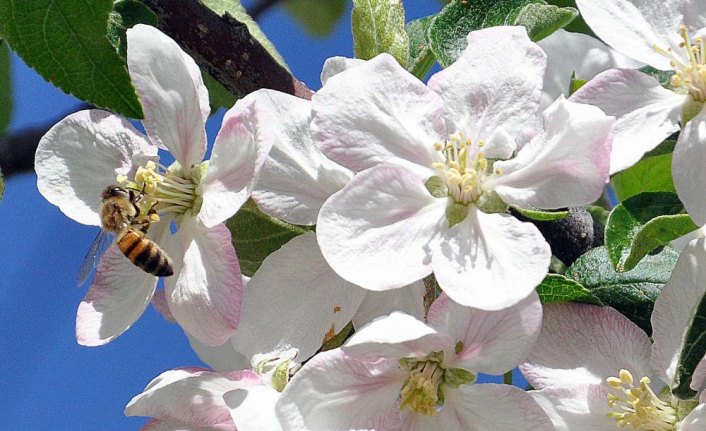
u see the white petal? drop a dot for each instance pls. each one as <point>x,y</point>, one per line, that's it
<point>580,54</point>
<point>645,112</point>
<point>490,261</point>
<point>566,166</point>
<point>377,112</point>
<point>491,407</point>
<point>376,232</point>
<point>695,420</point>
<point>170,99</point>
<point>205,293</point>
<point>408,299</point>
<point>687,170</point>
<point>698,379</point>
<point>335,65</point>
<point>296,178</point>
<point>238,154</point>
<point>336,392</point>
<point>220,358</point>
<point>579,407</point>
<point>496,82</point>
<point>396,336</point>
<point>493,342</point>
<point>675,308</point>
<point>253,409</point>
<point>582,343</point>
<point>83,154</point>
<point>634,27</point>
<point>117,297</point>
<point>190,395</point>
<point>294,299</point>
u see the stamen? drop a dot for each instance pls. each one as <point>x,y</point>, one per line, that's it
<point>639,408</point>
<point>690,76</point>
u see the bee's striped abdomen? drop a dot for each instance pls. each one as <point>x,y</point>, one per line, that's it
<point>145,254</point>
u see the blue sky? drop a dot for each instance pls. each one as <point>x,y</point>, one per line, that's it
<point>47,380</point>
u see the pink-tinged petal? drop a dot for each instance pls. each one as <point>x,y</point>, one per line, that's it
<point>408,299</point>
<point>580,54</point>
<point>253,409</point>
<point>566,166</point>
<point>160,425</point>
<point>578,407</point>
<point>335,65</point>
<point>675,308</point>
<point>483,407</point>
<point>582,343</point>
<point>496,82</point>
<point>698,379</point>
<point>377,113</point>
<point>336,392</point>
<point>190,395</point>
<point>376,232</point>
<point>297,178</point>
<point>284,305</point>
<point>170,99</point>
<point>687,169</point>
<point>83,154</point>
<point>117,297</point>
<point>239,152</point>
<point>634,27</point>
<point>695,420</point>
<point>493,342</point>
<point>396,336</point>
<point>645,112</point>
<point>159,302</point>
<point>490,261</point>
<point>205,293</point>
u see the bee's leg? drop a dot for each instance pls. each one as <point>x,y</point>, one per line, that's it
<point>142,225</point>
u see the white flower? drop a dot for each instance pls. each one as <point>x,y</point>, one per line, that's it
<point>398,373</point>
<point>594,367</point>
<point>90,150</point>
<point>437,172</point>
<point>668,36</point>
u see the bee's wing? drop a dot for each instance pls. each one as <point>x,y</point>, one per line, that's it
<point>100,244</point>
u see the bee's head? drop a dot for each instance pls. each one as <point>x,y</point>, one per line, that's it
<point>114,191</point>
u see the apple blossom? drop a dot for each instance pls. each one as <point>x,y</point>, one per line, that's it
<point>594,368</point>
<point>92,149</point>
<point>439,165</point>
<point>398,373</point>
<point>668,36</point>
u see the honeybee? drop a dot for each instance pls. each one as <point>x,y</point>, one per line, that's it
<point>120,217</point>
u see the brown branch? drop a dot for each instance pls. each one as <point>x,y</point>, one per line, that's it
<point>224,47</point>
<point>261,7</point>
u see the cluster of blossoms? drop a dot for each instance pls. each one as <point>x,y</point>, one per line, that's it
<point>405,182</point>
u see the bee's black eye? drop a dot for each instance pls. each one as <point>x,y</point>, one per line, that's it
<point>116,192</point>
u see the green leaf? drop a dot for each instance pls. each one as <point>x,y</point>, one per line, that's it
<point>558,288</point>
<point>578,25</point>
<point>541,215</point>
<point>237,11</point>
<point>5,87</point>
<point>218,96</point>
<point>65,41</point>
<point>421,59</point>
<point>693,350</point>
<point>126,14</point>
<point>541,20</point>
<point>642,223</point>
<point>664,77</point>
<point>651,174</point>
<point>449,28</point>
<point>633,292</point>
<point>2,186</point>
<point>318,17</point>
<point>255,235</point>
<point>378,26</point>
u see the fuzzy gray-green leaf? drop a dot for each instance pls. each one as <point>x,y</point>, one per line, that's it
<point>378,26</point>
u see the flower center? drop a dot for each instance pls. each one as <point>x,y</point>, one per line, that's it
<point>465,168</point>
<point>423,391</point>
<point>690,76</point>
<point>165,190</point>
<point>639,407</point>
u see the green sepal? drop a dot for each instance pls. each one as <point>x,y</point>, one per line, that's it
<point>540,215</point>
<point>437,187</point>
<point>633,292</point>
<point>575,83</point>
<point>280,376</point>
<point>456,213</point>
<point>642,223</point>
<point>455,377</point>
<point>378,26</point>
<point>256,235</point>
